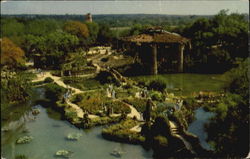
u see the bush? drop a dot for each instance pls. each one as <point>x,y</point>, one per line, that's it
<point>54,92</point>
<point>156,96</point>
<point>48,80</point>
<point>106,77</point>
<point>121,132</point>
<point>161,140</point>
<point>77,98</point>
<point>138,103</point>
<point>158,85</point>
<point>118,106</point>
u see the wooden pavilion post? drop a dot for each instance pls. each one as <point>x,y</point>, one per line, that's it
<point>180,57</point>
<point>153,67</point>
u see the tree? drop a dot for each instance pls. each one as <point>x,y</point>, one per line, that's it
<point>41,27</point>
<point>229,129</point>
<point>217,42</point>
<point>147,112</point>
<point>105,34</point>
<point>161,126</point>
<point>54,92</point>
<point>76,28</point>
<point>93,32</point>
<point>52,48</point>
<point>11,55</point>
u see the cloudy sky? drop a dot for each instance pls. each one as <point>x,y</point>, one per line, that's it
<point>184,7</point>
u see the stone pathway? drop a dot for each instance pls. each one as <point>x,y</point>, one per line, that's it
<point>58,81</point>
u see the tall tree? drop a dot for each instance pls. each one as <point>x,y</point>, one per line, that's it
<point>11,55</point>
<point>76,28</point>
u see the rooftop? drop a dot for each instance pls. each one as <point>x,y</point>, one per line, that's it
<point>157,35</point>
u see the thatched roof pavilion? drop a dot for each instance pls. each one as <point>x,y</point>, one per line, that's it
<point>155,40</point>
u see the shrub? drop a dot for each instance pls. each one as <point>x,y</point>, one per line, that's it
<point>48,80</point>
<point>156,96</point>
<point>138,103</point>
<point>77,98</point>
<point>158,85</point>
<point>54,92</point>
<point>106,77</point>
<point>118,106</point>
<point>160,140</point>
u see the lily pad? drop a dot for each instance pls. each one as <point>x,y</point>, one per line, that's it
<point>64,153</point>
<point>24,140</point>
<point>74,136</point>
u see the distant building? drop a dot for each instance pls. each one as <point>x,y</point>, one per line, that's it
<point>157,47</point>
<point>88,17</point>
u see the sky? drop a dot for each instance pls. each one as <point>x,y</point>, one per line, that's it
<point>171,7</point>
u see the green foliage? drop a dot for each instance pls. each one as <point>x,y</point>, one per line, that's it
<point>106,77</point>
<point>138,103</point>
<point>77,98</point>
<point>118,106</point>
<point>105,35</point>
<point>82,83</point>
<point>11,55</point>
<point>71,115</point>
<point>15,86</point>
<point>77,28</point>
<point>160,140</point>
<point>229,129</point>
<point>48,80</point>
<point>54,92</point>
<point>52,48</point>
<point>158,85</point>
<point>21,157</point>
<point>157,96</point>
<point>41,27</point>
<point>93,32</point>
<point>147,112</point>
<point>217,42</point>
<point>161,126</point>
<point>121,132</point>
<point>238,80</point>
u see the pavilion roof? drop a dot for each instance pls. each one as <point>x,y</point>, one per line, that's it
<point>157,36</point>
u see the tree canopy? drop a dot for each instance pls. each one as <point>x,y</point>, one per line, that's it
<point>11,55</point>
<point>76,28</point>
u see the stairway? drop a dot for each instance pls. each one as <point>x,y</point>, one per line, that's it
<point>175,132</point>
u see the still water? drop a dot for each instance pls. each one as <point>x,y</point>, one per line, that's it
<point>49,134</point>
<point>197,126</point>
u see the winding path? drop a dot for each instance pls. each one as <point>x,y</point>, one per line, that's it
<point>79,111</point>
<point>58,81</point>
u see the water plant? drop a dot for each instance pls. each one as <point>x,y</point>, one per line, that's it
<point>64,153</point>
<point>74,136</point>
<point>24,140</point>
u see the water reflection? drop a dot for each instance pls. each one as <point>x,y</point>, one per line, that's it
<point>197,126</point>
<point>49,136</point>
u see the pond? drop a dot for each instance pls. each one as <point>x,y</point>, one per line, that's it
<point>188,83</point>
<point>197,126</point>
<point>50,133</point>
